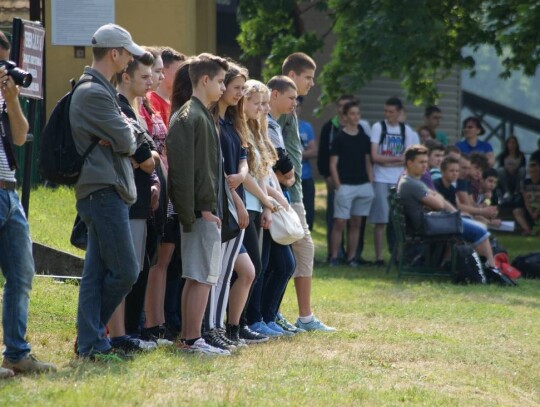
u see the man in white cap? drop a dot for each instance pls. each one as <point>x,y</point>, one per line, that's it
<point>104,190</point>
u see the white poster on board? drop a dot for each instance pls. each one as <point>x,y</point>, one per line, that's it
<point>75,21</point>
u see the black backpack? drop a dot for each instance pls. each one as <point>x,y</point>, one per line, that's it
<point>528,265</point>
<point>59,161</point>
<point>468,266</point>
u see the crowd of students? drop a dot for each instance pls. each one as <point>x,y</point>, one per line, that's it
<point>361,163</point>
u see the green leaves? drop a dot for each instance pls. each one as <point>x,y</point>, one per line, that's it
<point>418,42</point>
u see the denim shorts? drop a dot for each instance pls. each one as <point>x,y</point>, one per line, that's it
<point>473,231</point>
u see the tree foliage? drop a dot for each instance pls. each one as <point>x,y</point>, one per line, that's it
<point>418,42</point>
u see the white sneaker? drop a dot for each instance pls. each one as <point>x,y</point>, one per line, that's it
<point>200,346</point>
<point>147,345</point>
<point>164,342</point>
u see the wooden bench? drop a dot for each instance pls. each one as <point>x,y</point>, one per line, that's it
<point>426,251</point>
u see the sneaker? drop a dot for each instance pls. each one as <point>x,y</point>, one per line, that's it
<point>200,346</point>
<point>213,338</point>
<point>286,325</point>
<point>223,335</point>
<point>333,263</point>
<point>379,263</point>
<point>261,328</point>
<point>353,263</point>
<point>129,344</point>
<point>6,373</point>
<point>28,364</point>
<point>161,337</point>
<point>314,325</point>
<point>250,336</point>
<point>232,333</point>
<point>111,355</point>
<point>275,327</point>
<point>363,262</point>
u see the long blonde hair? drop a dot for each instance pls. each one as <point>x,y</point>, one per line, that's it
<point>258,136</point>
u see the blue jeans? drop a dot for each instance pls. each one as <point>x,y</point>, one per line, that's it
<point>17,265</point>
<point>110,267</point>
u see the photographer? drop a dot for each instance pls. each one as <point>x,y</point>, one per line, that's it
<point>16,259</point>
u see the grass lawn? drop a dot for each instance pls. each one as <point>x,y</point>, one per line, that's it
<point>412,342</point>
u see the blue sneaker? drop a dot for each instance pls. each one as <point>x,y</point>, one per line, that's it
<point>275,327</point>
<point>261,328</point>
<point>314,325</point>
<point>286,325</point>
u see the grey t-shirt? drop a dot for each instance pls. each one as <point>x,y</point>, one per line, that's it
<point>411,191</point>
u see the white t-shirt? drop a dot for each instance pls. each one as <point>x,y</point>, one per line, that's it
<point>392,146</point>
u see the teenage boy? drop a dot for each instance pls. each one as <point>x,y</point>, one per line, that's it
<point>161,97</point>
<point>527,215</point>
<point>446,185</point>
<point>415,197</point>
<point>106,181</point>
<point>432,119</point>
<point>196,192</point>
<point>352,175</point>
<point>16,259</point>
<point>389,139</point>
<point>436,155</point>
<point>301,69</point>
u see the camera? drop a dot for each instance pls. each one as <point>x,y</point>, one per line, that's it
<point>20,76</point>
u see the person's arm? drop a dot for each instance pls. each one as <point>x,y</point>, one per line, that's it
<point>334,159</point>
<point>465,204</point>
<point>243,216</point>
<point>385,160</point>
<point>17,120</point>
<point>234,180</point>
<point>257,190</point>
<point>310,150</point>
<point>369,168</point>
<point>181,177</point>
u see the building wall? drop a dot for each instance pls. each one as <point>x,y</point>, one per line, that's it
<point>188,26</point>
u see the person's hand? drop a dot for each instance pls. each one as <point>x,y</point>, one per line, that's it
<point>154,197</point>
<point>495,222</point>
<point>266,218</point>
<point>210,217</point>
<point>329,183</point>
<point>491,211</point>
<point>234,180</point>
<point>243,217</point>
<point>10,90</point>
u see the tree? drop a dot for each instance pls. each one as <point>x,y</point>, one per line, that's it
<point>418,42</point>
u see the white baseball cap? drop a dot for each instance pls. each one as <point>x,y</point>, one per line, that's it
<point>114,36</point>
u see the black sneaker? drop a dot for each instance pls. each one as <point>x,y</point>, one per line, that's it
<point>158,334</point>
<point>363,262</point>
<point>379,263</point>
<point>130,345</point>
<point>251,337</point>
<point>214,338</point>
<point>233,334</point>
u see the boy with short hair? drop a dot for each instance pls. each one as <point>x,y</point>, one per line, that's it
<point>352,175</point>
<point>301,69</point>
<point>432,119</point>
<point>196,191</point>
<point>435,157</point>
<point>446,185</point>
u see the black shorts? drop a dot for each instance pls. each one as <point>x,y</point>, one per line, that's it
<point>171,231</point>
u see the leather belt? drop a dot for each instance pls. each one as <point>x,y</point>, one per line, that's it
<point>9,185</point>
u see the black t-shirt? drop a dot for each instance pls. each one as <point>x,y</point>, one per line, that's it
<point>351,151</point>
<point>448,193</point>
<point>143,181</point>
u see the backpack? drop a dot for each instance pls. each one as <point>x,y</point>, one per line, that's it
<point>59,161</point>
<point>503,264</point>
<point>384,131</point>
<point>528,264</point>
<point>468,266</point>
